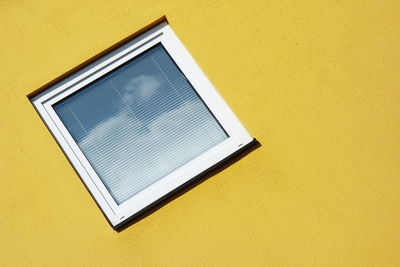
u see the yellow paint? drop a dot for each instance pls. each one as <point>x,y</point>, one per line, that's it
<point>316,82</point>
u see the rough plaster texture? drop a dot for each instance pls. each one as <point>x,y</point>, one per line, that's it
<point>316,82</point>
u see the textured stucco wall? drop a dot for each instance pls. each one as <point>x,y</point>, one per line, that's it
<point>316,82</point>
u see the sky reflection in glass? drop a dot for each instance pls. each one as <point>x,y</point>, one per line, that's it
<point>139,123</point>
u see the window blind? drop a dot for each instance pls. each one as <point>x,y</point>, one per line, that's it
<point>139,123</point>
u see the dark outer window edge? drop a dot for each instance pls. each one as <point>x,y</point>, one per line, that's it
<point>131,219</point>
<point>97,56</point>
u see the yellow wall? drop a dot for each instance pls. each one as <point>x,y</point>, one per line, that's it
<point>316,82</point>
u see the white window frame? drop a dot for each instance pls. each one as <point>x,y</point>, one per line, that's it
<point>159,34</point>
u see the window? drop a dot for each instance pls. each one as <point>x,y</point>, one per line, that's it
<point>140,122</point>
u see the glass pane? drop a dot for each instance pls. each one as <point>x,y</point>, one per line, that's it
<point>139,123</point>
